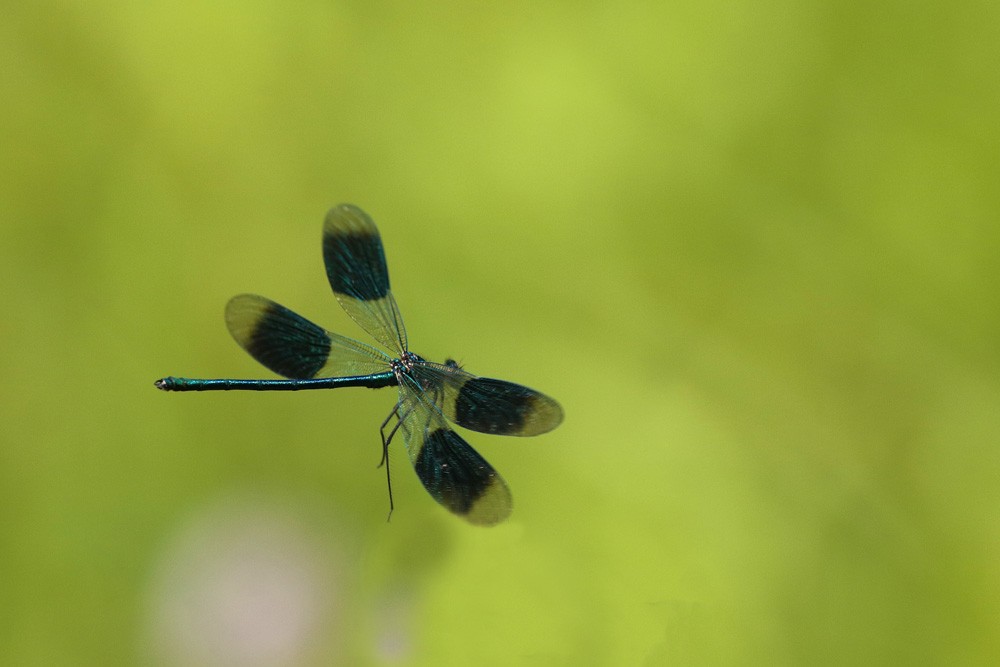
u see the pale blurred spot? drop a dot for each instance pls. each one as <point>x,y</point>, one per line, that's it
<point>392,636</point>
<point>248,584</point>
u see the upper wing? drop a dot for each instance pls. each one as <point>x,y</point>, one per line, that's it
<point>487,405</point>
<point>292,346</point>
<point>449,468</point>
<point>355,266</point>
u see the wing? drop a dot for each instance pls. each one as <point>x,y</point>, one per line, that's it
<point>487,405</point>
<point>452,471</point>
<point>355,266</point>
<point>292,346</point>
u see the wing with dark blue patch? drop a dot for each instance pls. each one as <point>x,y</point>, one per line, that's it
<point>449,468</point>
<point>356,269</point>
<point>487,405</point>
<point>292,346</point>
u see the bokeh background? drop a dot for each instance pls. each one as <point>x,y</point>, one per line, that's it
<point>751,248</point>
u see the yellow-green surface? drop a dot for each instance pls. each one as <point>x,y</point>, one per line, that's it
<point>751,248</point>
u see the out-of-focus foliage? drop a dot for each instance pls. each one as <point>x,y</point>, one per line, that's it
<point>752,249</point>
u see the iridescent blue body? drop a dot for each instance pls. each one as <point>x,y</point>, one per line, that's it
<point>374,381</point>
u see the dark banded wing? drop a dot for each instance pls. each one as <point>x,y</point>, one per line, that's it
<point>292,346</point>
<point>449,468</point>
<point>355,266</point>
<point>487,405</point>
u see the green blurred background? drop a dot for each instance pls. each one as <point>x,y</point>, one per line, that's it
<point>751,248</point>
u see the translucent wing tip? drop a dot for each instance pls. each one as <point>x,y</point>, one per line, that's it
<point>344,217</point>
<point>544,416</point>
<point>492,506</point>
